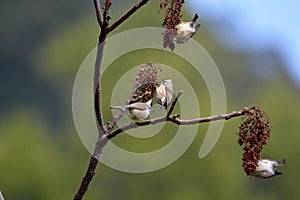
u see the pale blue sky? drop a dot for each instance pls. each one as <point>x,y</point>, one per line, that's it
<point>260,22</point>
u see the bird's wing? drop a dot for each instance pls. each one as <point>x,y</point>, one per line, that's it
<point>263,174</point>
<point>160,94</point>
<point>138,106</point>
<point>281,162</point>
<point>272,175</point>
<point>169,92</point>
<point>196,29</point>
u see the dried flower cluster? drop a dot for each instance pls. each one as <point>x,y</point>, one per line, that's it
<point>173,13</point>
<point>253,134</point>
<point>146,82</point>
<point>172,17</point>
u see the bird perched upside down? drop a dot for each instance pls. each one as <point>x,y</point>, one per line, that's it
<point>267,168</point>
<point>184,31</point>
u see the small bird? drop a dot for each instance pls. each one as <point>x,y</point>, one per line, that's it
<point>267,168</point>
<point>184,31</point>
<point>136,111</point>
<point>164,93</point>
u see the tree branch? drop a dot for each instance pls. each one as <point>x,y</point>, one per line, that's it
<point>105,29</point>
<point>126,15</point>
<point>174,119</point>
<point>103,21</point>
<point>106,17</point>
<point>97,86</point>
<point>107,5</point>
<point>94,160</point>
<point>98,12</point>
<point>174,104</point>
<point>91,171</point>
<point>228,116</point>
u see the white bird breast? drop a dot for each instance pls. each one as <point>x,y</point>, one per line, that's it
<point>139,114</point>
<point>185,27</point>
<point>264,165</point>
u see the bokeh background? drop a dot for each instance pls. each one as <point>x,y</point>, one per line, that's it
<point>41,156</point>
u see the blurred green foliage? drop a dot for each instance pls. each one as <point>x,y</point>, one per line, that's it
<point>41,156</point>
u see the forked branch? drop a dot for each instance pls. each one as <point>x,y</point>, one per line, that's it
<point>126,15</point>
<point>107,132</point>
<point>103,21</point>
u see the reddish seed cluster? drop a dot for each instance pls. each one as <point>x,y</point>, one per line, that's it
<point>253,134</point>
<point>173,12</point>
<point>146,82</point>
<point>168,38</point>
<point>173,15</point>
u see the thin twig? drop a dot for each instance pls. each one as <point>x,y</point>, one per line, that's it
<point>107,5</point>
<point>173,104</point>
<point>211,118</point>
<point>106,18</point>
<point>126,15</point>
<point>98,12</point>
<point>97,86</point>
<point>174,119</point>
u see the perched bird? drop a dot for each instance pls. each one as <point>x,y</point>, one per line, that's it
<point>137,111</point>
<point>184,31</point>
<point>267,168</point>
<point>164,93</point>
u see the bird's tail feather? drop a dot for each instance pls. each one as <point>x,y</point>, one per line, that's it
<point>281,162</point>
<point>116,107</point>
<point>195,17</point>
<point>278,173</point>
